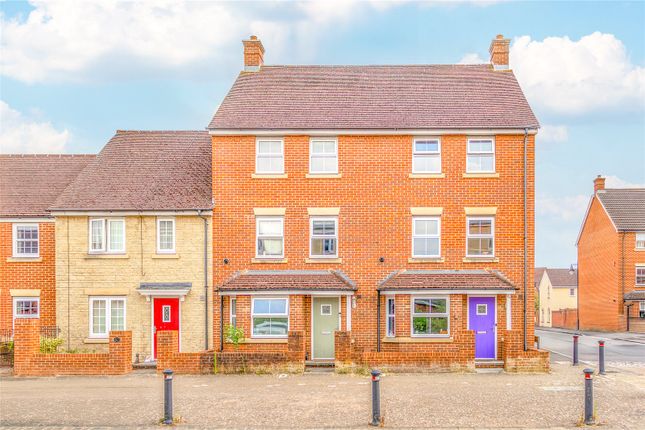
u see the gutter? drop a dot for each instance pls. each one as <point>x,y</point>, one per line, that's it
<point>199,213</point>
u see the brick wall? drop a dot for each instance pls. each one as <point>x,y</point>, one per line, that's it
<point>564,318</point>
<point>29,274</point>
<point>28,361</point>
<point>374,193</point>
<point>516,360</point>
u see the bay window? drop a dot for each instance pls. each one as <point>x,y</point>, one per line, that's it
<point>430,316</point>
<point>270,317</point>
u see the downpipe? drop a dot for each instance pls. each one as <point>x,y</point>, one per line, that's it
<point>526,135</point>
<point>199,213</point>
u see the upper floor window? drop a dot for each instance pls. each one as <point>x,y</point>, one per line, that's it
<point>480,234</point>
<point>107,235</point>
<point>640,275</point>
<point>481,156</point>
<point>270,237</point>
<point>323,156</point>
<point>26,307</point>
<point>426,232</point>
<point>426,156</point>
<point>25,240</point>
<point>572,292</point>
<point>269,156</point>
<point>106,314</point>
<point>640,240</point>
<point>165,235</point>
<point>324,237</point>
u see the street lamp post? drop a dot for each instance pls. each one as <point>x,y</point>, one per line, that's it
<point>575,270</point>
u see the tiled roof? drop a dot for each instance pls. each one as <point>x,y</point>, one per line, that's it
<point>165,285</point>
<point>30,183</point>
<point>293,280</point>
<point>635,295</point>
<point>444,280</point>
<point>145,170</point>
<point>626,207</point>
<point>374,97</point>
<point>562,277</point>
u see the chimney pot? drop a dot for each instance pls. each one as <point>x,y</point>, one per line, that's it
<point>598,184</point>
<point>499,53</point>
<point>253,54</point>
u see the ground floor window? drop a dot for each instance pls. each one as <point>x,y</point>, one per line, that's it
<point>270,317</point>
<point>642,310</point>
<point>430,316</point>
<point>233,312</point>
<point>106,314</point>
<point>26,307</point>
<point>390,328</point>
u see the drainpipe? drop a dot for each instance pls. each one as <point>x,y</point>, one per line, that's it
<point>199,213</point>
<point>221,323</point>
<point>68,286</point>
<point>622,272</point>
<point>378,321</point>
<point>526,135</point>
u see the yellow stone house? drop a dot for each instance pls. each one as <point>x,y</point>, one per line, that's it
<point>558,290</point>
<point>133,244</point>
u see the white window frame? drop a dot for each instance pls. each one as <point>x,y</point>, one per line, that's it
<point>640,241</point>
<point>640,284</point>
<point>312,236</point>
<point>390,317</point>
<point>258,220</point>
<point>429,315</point>
<point>277,155</point>
<point>428,154</point>
<point>641,309</point>
<point>15,240</point>
<point>163,313</point>
<point>25,299</point>
<point>233,311</point>
<point>108,314</point>
<point>324,306</point>
<point>333,155</point>
<point>476,236</point>
<point>427,236</point>
<point>254,315</point>
<point>473,153</point>
<point>174,236</point>
<point>105,236</point>
<point>485,305</point>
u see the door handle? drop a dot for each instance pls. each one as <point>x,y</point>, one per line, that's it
<point>326,332</point>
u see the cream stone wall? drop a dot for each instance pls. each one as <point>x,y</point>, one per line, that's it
<point>80,275</point>
<point>553,299</point>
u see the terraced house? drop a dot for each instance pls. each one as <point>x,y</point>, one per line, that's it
<point>133,239</point>
<point>382,214</point>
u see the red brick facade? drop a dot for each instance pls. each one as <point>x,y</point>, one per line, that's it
<point>28,274</point>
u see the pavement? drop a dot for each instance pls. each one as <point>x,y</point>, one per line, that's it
<point>621,349</point>
<point>438,400</point>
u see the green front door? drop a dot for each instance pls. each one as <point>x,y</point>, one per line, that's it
<point>325,323</point>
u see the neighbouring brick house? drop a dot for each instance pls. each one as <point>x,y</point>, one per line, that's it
<point>611,260</point>
<point>385,212</point>
<point>558,297</point>
<point>133,243</point>
<point>29,184</point>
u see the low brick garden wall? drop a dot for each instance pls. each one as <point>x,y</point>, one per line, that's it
<point>29,361</point>
<point>516,360</point>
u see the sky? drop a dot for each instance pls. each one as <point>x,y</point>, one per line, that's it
<point>71,73</point>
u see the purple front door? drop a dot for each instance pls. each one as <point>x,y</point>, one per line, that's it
<point>481,313</point>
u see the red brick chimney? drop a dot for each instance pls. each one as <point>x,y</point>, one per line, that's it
<point>499,53</point>
<point>253,54</point>
<point>598,184</point>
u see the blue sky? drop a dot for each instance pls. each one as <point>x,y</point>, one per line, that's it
<point>73,73</point>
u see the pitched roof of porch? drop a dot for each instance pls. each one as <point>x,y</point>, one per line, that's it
<point>447,280</point>
<point>635,295</point>
<point>288,280</point>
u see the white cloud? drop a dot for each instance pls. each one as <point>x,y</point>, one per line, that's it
<point>567,208</point>
<point>578,76</point>
<point>19,134</point>
<point>472,58</point>
<point>612,181</point>
<point>553,133</point>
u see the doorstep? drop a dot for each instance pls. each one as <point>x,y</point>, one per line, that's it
<point>319,366</point>
<point>144,365</point>
<point>489,366</point>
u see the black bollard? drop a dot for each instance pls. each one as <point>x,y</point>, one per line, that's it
<point>601,357</point>
<point>575,349</point>
<point>376,399</point>
<point>588,397</point>
<point>167,397</point>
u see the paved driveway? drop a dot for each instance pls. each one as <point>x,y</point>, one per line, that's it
<point>326,400</point>
<point>620,348</point>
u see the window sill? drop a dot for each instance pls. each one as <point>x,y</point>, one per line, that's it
<point>106,256</point>
<point>269,260</point>
<point>426,260</point>
<point>639,249</point>
<point>480,260</point>
<point>323,176</point>
<point>269,175</point>
<point>323,260</point>
<point>481,175</point>
<point>427,175</point>
<point>165,256</point>
<point>265,340</point>
<point>418,340</point>
<point>96,340</point>
<point>24,259</point>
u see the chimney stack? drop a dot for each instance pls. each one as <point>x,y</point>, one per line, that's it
<point>499,53</point>
<point>598,184</point>
<point>253,54</point>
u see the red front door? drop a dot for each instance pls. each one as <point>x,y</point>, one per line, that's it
<point>166,317</point>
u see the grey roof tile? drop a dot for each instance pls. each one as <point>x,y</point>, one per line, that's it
<point>625,206</point>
